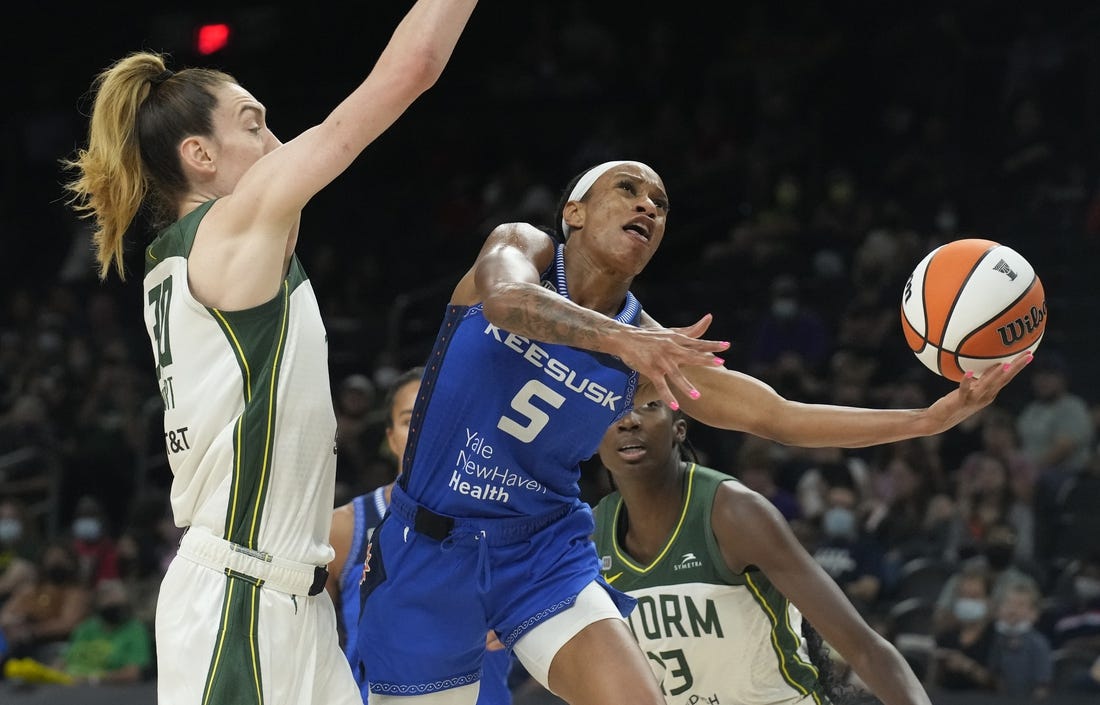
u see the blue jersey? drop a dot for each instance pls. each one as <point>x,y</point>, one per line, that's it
<point>369,509</point>
<point>502,422</point>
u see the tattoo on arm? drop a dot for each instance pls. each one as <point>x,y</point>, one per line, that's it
<point>537,313</point>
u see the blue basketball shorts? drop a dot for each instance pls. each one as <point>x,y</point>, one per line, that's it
<point>428,602</point>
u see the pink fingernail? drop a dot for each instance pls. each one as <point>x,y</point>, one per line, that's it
<point>725,343</point>
<point>719,361</point>
<point>1030,357</point>
<point>694,394</point>
<point>1007,366</point>
<point>674,406</point>
<point>969,374</point>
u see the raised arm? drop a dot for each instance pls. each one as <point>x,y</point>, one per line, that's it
<point>255,227</point>
<point>411,63</point>
<point>505,278</point>
<point>735,401</point>
<point>752,532</point>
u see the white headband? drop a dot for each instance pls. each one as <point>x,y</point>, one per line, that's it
<point>585,183</point>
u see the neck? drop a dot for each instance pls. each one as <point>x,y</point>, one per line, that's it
<point>596,287</point>
<point>653,505</point>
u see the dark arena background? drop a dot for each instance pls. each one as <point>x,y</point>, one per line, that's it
<point>813,152</point>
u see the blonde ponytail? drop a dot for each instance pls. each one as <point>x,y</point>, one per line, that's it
<point>111,182</point>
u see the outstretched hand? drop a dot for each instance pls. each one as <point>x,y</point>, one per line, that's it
<point>659,353</point>
<point>975,393</point>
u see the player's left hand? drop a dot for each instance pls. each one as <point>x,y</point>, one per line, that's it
<point>975,393</point>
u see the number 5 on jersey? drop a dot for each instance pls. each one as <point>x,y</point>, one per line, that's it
<point>536,419</point>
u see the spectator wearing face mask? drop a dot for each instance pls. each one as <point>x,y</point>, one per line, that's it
<point>18,548</point>
<point>1020,657</point>
<point>93,543</point>
<point>962,651</point>
<point>851,557</point>
<point>790,343</point>
<point>44,613</point>
<point>1075,621</point>
<point>997,558</point>
<point>110,646</point>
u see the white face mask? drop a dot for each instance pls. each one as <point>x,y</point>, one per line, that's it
<point>1012,628</point>
<point>784,307</point>
<point>838,522</point>
<point>11,530</point>
<point>1086,587</point>
<point>87,528</point>
<point>970,609</point>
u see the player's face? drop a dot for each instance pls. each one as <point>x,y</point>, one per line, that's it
<point>644,438</point>
<point>241,135</point>
<point>623,217</point>
<point>397,435</point>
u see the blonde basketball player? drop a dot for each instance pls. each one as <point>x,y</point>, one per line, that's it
<point>241,351</point>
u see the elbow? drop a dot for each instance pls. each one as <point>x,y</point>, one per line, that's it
<point>422,69</point>
<point>497,302</point>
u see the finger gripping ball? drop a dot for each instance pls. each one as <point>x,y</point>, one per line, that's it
<point>972,304</point>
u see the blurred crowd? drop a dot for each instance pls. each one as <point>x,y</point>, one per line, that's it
<point>811,159</point>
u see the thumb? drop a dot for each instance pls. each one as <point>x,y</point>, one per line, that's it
<point>696,330</point>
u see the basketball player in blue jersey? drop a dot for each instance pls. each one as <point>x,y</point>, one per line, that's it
<point>722,582</point>
<point>541,349</point>
<point>352,526</point>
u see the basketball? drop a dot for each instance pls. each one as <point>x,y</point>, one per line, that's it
<point>972,304</point>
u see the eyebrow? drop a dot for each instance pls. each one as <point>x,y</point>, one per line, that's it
<point>251,108</point>
<point>636,179</point>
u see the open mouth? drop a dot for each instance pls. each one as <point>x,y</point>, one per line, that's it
<point>631,451</point>
<point>638,229</point>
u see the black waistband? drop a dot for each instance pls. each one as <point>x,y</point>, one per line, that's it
<point>432,525</point>
<point>320,577</point>
<point>496,530</point>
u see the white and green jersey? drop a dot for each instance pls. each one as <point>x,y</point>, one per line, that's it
<point>249,425</point>
<point>713,637</point>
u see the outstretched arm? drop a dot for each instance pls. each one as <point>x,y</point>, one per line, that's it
<point>411,63</point>
<point>258,222</point>
<point>752,532</point>
<point>505,278</point>
<point>735,401</point>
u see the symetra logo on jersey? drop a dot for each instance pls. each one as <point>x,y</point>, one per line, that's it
<point>688,560</point>
<point>554,368</point>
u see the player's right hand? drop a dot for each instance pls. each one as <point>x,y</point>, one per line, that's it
<point>658,353</point>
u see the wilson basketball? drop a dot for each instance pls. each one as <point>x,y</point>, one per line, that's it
<point>972,304</point>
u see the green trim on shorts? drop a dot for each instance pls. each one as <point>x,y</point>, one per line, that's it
<point>234,674</point>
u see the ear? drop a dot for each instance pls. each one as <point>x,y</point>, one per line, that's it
<point>573,214</point>
<point>679,430</point>
<point>196,155</point>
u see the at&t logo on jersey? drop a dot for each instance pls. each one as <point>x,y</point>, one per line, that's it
<point>688,560</point>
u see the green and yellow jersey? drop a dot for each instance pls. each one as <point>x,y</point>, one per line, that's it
<point>711,635</point>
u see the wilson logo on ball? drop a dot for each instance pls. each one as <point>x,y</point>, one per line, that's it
<point>1024,326</point>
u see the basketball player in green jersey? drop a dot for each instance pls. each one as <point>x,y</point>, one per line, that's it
<point>721,581</point>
